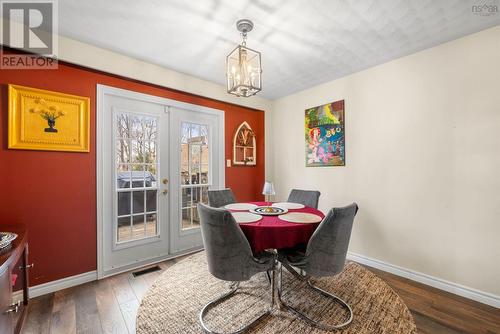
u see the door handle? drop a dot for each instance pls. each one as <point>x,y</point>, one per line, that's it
<point>164,181</point>
<point>14,308</point>
<point>27,266</point>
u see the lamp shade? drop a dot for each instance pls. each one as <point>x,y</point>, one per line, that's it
<point>268,189</point>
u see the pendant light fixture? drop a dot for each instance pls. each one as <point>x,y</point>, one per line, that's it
<point>243,67</point>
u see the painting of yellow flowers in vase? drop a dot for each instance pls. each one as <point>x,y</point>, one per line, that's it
<point>46,120</point>
<point>324,135</point>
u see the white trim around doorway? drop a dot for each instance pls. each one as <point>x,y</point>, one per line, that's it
<point>103,90</point>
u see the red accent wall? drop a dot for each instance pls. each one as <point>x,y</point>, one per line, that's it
<point>54,193</point>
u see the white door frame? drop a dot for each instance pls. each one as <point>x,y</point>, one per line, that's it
<point>103,90</point>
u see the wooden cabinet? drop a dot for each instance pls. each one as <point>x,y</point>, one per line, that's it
<point>5,302</point>
<point>13,279</point>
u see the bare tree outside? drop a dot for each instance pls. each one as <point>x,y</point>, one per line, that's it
<point>137,166</point>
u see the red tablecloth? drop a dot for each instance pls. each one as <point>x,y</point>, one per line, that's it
<point>272,232</point>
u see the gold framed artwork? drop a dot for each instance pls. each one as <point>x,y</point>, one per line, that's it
<point>49,121</point>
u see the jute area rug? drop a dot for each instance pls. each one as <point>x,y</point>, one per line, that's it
<point>174,301</point>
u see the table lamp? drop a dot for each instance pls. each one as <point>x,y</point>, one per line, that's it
<point>268,190</point>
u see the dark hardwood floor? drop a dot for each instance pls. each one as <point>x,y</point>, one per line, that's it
<point>110,306</point>
<point>437,311</point>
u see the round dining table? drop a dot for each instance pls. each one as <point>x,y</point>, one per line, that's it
<point>272,232</point>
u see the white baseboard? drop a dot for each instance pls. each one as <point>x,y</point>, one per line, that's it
<point>461,290</point>
<point>63,283</point>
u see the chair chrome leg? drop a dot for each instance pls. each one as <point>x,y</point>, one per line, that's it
<point>233,289</point>
<point>273,282</point>
<point>279,305</point>
<point>293,271</point>
<point>324,293</point>
<point>280,277</point>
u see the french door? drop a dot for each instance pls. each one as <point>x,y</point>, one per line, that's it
<point>197,168</point>
<point>156,160</point>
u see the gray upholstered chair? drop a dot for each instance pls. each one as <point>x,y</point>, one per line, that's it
<point>306,197</point>
<point>219,198</point>
<point>324,255</point>
<point>229,256</point>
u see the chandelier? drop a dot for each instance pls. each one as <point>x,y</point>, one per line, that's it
<point>243,71</point>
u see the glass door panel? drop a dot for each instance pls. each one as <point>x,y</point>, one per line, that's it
<point>137,186</point>
<point>198,139</point>
<point>195,173</point>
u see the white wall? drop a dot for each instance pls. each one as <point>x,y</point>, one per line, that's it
<point>422,159</point>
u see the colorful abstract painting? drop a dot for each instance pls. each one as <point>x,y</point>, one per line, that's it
<point>324,134</point>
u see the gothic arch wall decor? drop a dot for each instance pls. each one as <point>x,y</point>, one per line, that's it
<point>244,146</point>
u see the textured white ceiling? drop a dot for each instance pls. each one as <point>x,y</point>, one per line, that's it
<point>303,43</point>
